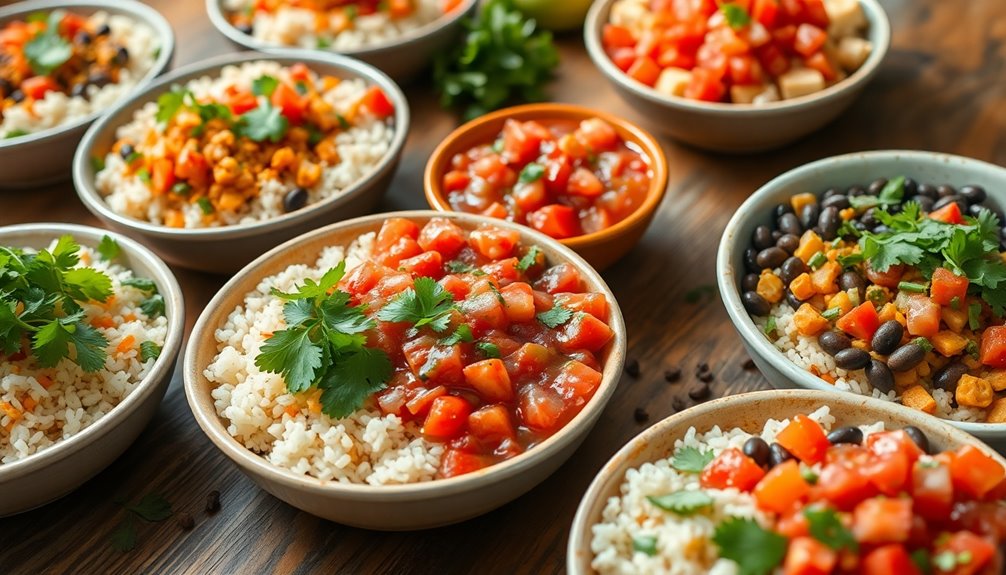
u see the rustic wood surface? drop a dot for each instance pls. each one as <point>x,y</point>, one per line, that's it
<point>942,87</point>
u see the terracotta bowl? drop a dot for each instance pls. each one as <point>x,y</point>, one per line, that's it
<point>44,157</point>
<point>735,128</point>
<point>402,59</point>
<point>226,249</point>
<point>840,171</point>
<point>393,507</point>
<point>600,249</point>
<point>749,411</point>
<point>61,468</point>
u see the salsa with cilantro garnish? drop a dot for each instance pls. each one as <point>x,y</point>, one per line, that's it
<point>560,177</point>
<point>895,288</point>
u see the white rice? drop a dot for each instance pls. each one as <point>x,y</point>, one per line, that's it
<point>360,148</point>
<point>57,108</point>
<point>366,447</point>
<point>290,26</point>
<point>684,545</point>
<point>77,399</point>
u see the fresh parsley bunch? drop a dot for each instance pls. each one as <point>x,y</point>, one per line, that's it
<point>40,296</point>
<point>503,58</point>
<point>323,346</point>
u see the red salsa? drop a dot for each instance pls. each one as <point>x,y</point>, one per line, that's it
<point>515,355</point>
<point>559,177</point>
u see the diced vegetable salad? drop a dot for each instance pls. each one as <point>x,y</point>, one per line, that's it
<point>559,177</point>
<point>901,286</point>
<point>743,51</point>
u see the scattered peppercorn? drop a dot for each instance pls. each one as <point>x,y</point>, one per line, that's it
<point>213,502</point>
<point>673,375</point>
<point>640,415</point>
<point>706,376</point>
<point>678,404</point>
<point>700,392</point>
<point>185,521</point>
<point>632,368</point>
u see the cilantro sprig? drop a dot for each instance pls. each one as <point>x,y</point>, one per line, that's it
<point>757,551</point>
<point>323,346</point>
<point>684,503</point>
<point>48,50</point>
<point>264,122</point>
<point>556,316</point>
<point>691,460</point>
<point>827,528</point>
<point>426,303</point>
<point>151,508</point>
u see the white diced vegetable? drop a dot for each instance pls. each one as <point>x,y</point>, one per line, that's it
<point>846,17</point>
<point>852,52</point>
<point>745,94</point>
<point>632,14</point>
<point>800,82</point>
<point>673,81</point>
<point>771,94</point>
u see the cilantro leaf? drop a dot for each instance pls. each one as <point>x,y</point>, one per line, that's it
<point>108,248</point>
<point>291,353</point>
<point>691,460</point>
<point>426,303</point>
<point>48,50</point>
<point>311,289</point>
<point>89,344</point>
<point>459,267</point>
<point>685,502</point>
<point>153,306</point>
<point>531,173</point>
<point>149,350</point>
<point>264,86</point>
<point>51,343</point>
<point>645,544</point>
<point>123,539</point>
<point>87,284</point>
<point>463,333</point>
<point>826,527</point>
<point>354,378</point>
<point>142,284</point>
<point>169,103</point>
<point>529,259</point>
<point>151,507</point>
<point>555,317</point>
<point>736,16</point>
<point>490,350</point>
<point>756,551</point>
<point>263,123</point>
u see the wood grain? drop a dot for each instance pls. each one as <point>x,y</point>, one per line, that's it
<point>942,88</point>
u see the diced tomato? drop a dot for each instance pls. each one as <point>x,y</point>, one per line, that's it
<point>785,37</point>
<point>422,400</point>
<point>950,214</point>
<point>520,144</point>
<point>519,302</point>
<point>772,59</point>
<point>71,24</point>
<point>192,167</point>
<point>576,381</point>
<point>978,550</point>
<point>644,70</point>
<point>443,366</point>
<point>731,468</point>
<point>946,285</point>
<point>37,86</point>
<point>504,272</point>
<point>299,72</point>
<point>617,37</point>
<point>291,104</point>
<point>889,473</point>
<point>540,408</point>
<point>583,331</point>
<point>555,220</point>
<point>162,175</point>
<point>804,438</point>
<point>241,101</point>
<point>809,39</point>
<point>489,377</point>
<point>456,180</point>
<point>993,348</point>
<point>781,487</point>
<point>456,462</point>
<point>705,85</point>
<point>362,278</point>
<point>842,486</point>
<point>814,12</point>
<point>765,12</point>
<point>861,322</point>
<point>457,287</point>
<point>404,248</point>
<point>975,473</point>
<point>889,278</point>
<point>888,560</point>
<point>560,278</point>
<point>624,58</point>
<point>923,316</point>
<point>494,243</point>
<point>882,520</point>
<point>491,424</point>
<point>932,489</point>
<point>392,230</point>
<point>793,524</point>
<point>888,442</point>
<point>426,264</point>
<point>442,235</point>
<point>484,311</point>
<point>530,359</point>
<point>822,64</point>
<point>584,182</point>
<point>808,556</point>
<point>15,34</point>
<point>593,303</point>
<point>377,102</point>
<point>447,418</point>
<point>598,134</point>
<point>675,57</point>
<point>745,70</point>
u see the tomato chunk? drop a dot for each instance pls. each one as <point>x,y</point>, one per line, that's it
<point>731,468</point>
<point>882,520</point>
<point>887,560</point>
<point>861,322</point>
<point>490,378</point>
<point>781,487</point>
<point>993,348</point>
<point>979,551</point>
<point>447,418</point>
<point>804,438</point>
<point>808,556</point>
<point>974,472</point>
<point>946,285</point>
<point>949,214</point>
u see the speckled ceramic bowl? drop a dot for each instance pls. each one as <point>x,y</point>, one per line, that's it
<point>61,468</point>
<point>226,249</point>
<point>394,507</point>
<point>736,128</point>
<point>44,157</point>
<point>839,171</point>
<point>749,411</point>
<point>402,59</point>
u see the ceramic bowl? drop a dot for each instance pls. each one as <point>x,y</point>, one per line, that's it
<point>600,249</point>
<point>749,411</point>
<point>402,58</point>
<point>226,249</point>
<point>739,128</point>
<point>393,507</point>
<point>44,157</point>
<point>840,171</point>
<point>53,472</point>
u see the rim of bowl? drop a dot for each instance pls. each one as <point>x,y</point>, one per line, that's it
<point>84,181</point>
<point>649,145</point>
<point>730,242</point>
<point>219,19</point>
<point>214,427</point>
<point>879,30</point>
<point>162,367</point>
<point>620,461</point>
<point>130,8</point>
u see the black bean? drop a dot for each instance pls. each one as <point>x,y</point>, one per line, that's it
<point>855,191</point>
<point>925,203</point>
<point>121,56</point>
<point>776,234</point>
<point>906,357</point>
<point>640,415</point>
<point>887,338</point>
<point>833,342</point>
<point>858,225</point>
<point>911,187</point>
<point>851,358</point>
<point>750,261</point>
<point>919,437</point>
<point>869,218</point>
<point>103,30</point>
<point>880,376</point>
<point>82,38</point>
<point>947,376</point>
<point>755,304</point>
<point>809,215</point>
<point>851,435</point>
<point>791,269</point>
<point>185,521</point>
<point>778,455</point>
<point>852,280</point>
<point>782,209</point>
<point>947,200</point>
<point>295,199</point>
<point>792,299</point>
<point>839,201</point>
<point>750,282</point>
<point>945,190</point>
<point>876,186</point>
<point>756,448</point>
<point>973,194</point>
<point>788,242</point>
<point>927,191</point>
<point>632,368</point>
<point>790,224</point>
<point>213,502</point>
<point>17,96</point>
<point>762,238</point>
<point>673,374</point>
<point>245,29</point>
<point>126,150</point>
<point>829,223</point>
<point>700,392</point>
<point>771,258</point>
<point>99,78</point>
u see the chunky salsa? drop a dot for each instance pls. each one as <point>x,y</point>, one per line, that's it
<point>559,177</point>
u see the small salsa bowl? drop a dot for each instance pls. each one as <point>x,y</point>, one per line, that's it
<point>59,469</point>
<point>408,506</point>
<point>739,128</point>
<point>601,248</point>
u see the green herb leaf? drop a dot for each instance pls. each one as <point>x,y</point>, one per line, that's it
<point>736,16</point>
<point>151,507</point>
<point>645,544</point>
<point>292,353</point>
<point>205,205</point>
<point>263,123</point>
<point>264,86</point>
<point>490,350</point>
<point>18,133</point>
<point>462,334</point>
<point>353,379</point>
<point>556,316</point>
<point>153,306</point>
<point>149,350</point>
<point>912,287</point>
<point>531,173</point>
<point>123,539</point>
<point>144,175</point>
<point>48,50</point>
<point>142,284</point>
<point>459,267</point>
<point>89,344</point>
<point>691,460</point>
<point>920,557</point>
<point>770,325</point>
<point>529,259</point>
<point>108,248</point>
<point>827,528</point>
<point>181,189</point>
<point>427,303</point>
<point>685,502</point>
<point>756,551</point>
<point>169,103</point>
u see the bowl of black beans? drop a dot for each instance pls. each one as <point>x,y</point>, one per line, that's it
<point>878,273</point>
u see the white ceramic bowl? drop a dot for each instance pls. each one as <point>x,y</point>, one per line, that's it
<point>749,411</point>
<point>226,249</point>
<point>839,171</point>
<point>61,468</point>
<point>394,507</point>
<point>726,127</point>
<point>44,157</point>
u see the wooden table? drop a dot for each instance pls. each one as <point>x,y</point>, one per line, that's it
<point>942,87</point>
